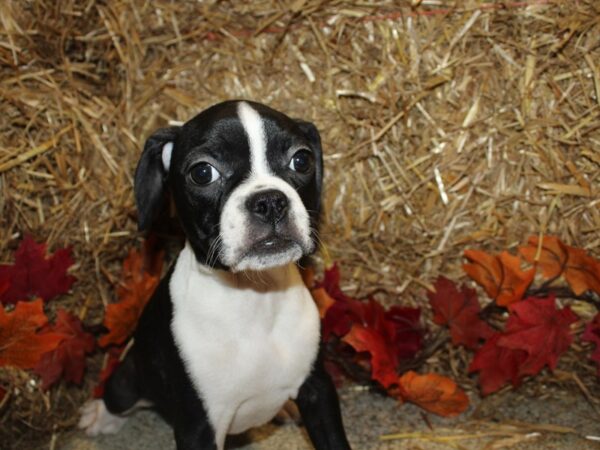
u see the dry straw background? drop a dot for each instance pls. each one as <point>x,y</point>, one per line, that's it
<point>446,125</point>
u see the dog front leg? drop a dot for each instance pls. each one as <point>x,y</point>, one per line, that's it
<point>320,410</point>
<point>195,435</point>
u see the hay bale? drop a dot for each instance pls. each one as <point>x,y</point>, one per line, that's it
<point>445,124</point>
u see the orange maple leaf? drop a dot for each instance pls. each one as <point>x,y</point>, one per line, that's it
<point>435,393</point>
<point>141,274</point>
<point>20,344</point>
<point>580,270</point>
<point>323,300</point>
<point>501,276</point>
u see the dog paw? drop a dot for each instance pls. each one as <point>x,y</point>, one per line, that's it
<point>288,413</point>
<point>95,419</point>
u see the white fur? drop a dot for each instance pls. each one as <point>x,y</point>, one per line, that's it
<point>253,125</point>
<point>95,419</point>
<point>167,152</point>
<point>247,340</point>
<point>235,224</point>
<point>235,236</point>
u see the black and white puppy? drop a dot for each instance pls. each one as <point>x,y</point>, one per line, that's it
<point>231,332</point>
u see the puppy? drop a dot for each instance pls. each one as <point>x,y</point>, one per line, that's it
<point>231,332</point>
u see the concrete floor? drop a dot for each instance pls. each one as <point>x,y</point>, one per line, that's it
<point>368,416</point>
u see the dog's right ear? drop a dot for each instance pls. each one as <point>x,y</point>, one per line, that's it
<point>151,174</point>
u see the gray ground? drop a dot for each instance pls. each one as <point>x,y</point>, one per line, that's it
<point>507,421</point>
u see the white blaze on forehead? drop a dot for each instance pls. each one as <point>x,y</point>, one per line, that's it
<point>253,126</point>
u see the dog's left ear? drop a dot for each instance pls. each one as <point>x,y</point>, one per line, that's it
<point>151,174</point>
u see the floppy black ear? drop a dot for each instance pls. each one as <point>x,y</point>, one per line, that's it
<point>151,175</point>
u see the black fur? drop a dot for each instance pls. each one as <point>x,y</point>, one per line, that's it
<point>153,368</point>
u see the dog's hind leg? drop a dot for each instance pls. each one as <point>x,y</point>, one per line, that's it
<point>121,396</point>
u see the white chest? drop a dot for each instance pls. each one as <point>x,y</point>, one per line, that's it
<point>247,344</point>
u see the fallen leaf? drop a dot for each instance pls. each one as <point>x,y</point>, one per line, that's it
<point>580,270</point>
<point>323,300</point>
<point>537,327</point>
<point>497,365</point>
<point>20,344</point>
<point>501,276</point>
<point>459,310</point>
<point>592,334</point>
<point>141,275</point>
<point>331,283</point>
<point>408,334</point>
<point>34,275</point>
<point>68,359</point>
<point>113,359</point>
<point>383,357</point>
<point>386,337</point>
<point>434,393</point>
<point>4,285</point>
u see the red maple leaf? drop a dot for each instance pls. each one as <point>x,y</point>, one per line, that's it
<point>68,359</point>
<point>141,274</point>
<point>459,310</point>
<point>435,393</point>
<point>555,258</point>
<point>501,276</point>
<point>34,275</point>
<point>592,334</point>
<point>383,357</point>
<point>20,343</point>
<point>538,328</point>
<point>497,365</point>
<point>387,337</point>
<point>408,335</point>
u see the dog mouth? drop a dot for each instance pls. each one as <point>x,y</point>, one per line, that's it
<point>272,251</point>
<point>271,245</point>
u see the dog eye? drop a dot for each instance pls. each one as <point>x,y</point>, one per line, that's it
<point>302,161</point>
<point>203,173</point>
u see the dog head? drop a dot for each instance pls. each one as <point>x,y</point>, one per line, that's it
<point>246,183</point>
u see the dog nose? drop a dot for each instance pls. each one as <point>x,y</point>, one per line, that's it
<point>269,206</point>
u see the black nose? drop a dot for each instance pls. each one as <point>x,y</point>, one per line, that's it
<point>269,206</point>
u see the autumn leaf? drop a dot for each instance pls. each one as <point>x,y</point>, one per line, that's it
<point>497,365</point>
<point>323,300</point>
<point>331,283</point>
<point>112,361</point>
<point>408,335</point>
<point>385,337</point>
<point>383,357</point>
<point>4,285</point>
<point>541,330</point>
<point>34,275</point>
<point>501,276</point>
<point>141,274</point>
<point>459,310</point>
<point>68,359</point>
<point>592,334</point>
<point>434,393</point>
<point>580,270</point>
<point>20,344</point>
